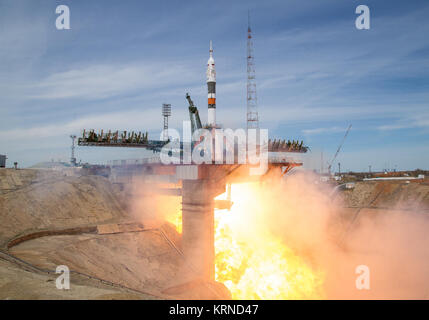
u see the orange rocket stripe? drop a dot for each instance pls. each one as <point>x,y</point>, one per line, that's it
<point>212,100</point>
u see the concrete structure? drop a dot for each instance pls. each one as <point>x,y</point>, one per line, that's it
<point>198,225</point>
<point>200,184</point>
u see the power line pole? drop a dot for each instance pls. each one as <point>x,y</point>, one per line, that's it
<point>252,107</point>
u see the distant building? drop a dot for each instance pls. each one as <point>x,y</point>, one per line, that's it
<point>350,185</point>
<point>2,161</point>
<point>324,178</point>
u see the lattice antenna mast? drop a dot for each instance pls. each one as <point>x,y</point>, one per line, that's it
<point>166,112</point>
<point>252,106</point>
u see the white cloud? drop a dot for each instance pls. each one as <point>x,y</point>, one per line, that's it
<point>323,130</point>
<point>104,81</point>
<point>124,120</point>
<point>420,121</point>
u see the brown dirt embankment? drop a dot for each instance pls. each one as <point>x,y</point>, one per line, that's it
<point>388,195</point>
<point>49,219</point>
<point>37,200</point>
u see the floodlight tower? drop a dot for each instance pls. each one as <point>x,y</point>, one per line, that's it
<point>166,112</point>
<point>73,159</point>
<point>252,108</point>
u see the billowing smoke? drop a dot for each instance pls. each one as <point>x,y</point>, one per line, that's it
<point>392,243</point>
<point>336,241</point>
<point>148,204</point>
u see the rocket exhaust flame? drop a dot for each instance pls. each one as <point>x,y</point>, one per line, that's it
<point>251,261</point>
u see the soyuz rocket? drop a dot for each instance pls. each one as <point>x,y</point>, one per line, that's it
<point>211,88</point>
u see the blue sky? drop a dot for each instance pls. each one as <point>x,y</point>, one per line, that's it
<point>316,74</point>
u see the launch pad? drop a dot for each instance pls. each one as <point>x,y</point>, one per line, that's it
<point>199,182</point>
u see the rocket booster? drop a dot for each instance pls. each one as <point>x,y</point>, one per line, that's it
<point>211,88</point>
